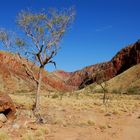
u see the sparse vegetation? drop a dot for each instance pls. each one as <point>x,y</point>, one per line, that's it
<point>28,136</point>
<point>85,112</point>
<point>133,90</point>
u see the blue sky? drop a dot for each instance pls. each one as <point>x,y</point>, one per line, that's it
<point>100,30</point>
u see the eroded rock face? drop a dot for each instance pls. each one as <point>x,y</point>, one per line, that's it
<point>13,77</point>
<point>7,106</point>
<point>122,61</point>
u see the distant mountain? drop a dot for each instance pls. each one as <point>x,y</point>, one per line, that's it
<point>123,60</point>
<point>13,77</point>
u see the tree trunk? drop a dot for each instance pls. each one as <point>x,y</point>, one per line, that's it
<point>37,97</point>
<point>104,96</point>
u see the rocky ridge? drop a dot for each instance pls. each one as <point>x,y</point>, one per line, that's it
<point>13,77</point>
<point>123,60</point>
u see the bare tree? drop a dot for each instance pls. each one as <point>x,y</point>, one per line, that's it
<point>40,43</point>
<point>102,82</point>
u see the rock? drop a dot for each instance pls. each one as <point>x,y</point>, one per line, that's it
<point>3,118</point>
<point>7,106</point>
<point>16,126</point>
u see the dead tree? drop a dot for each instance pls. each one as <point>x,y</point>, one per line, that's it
<point>101,80</point>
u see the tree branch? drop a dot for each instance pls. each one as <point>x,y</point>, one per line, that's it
<point>28,71</point>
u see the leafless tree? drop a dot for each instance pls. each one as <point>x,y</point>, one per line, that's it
<point>102,82</point>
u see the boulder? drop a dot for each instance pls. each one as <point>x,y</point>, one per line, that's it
<point>7,106</point>
<point>3,118</point>
<point>16,126</point>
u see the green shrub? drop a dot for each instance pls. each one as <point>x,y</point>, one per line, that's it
<point>55,96</point>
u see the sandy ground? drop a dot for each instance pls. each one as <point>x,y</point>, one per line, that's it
<point>126,127</point>
<point>77,119</point>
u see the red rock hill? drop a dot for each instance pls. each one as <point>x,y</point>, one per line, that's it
<point>122,61</point>
<point>13,77</point>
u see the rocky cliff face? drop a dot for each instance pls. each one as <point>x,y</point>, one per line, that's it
<point>122,61</point>
<point>13,77</point>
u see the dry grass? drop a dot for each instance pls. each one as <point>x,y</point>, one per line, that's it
<point>24,100</point>
<point>81,109</point>
<point>66,111</point>
<point>4,135</point>
<point>39,134</point>
<point>85,112</point>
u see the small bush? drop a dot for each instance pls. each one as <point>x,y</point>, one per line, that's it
<point>55,96</point>
<point>91,122</point>
<point>102,127</point>
<point>133,90</point>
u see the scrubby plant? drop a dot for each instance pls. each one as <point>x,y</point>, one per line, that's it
<point>55,96</point>
<point>101,80</point>
<point>133,90</point>
<point>103,127</point>
<point>91,122</point>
